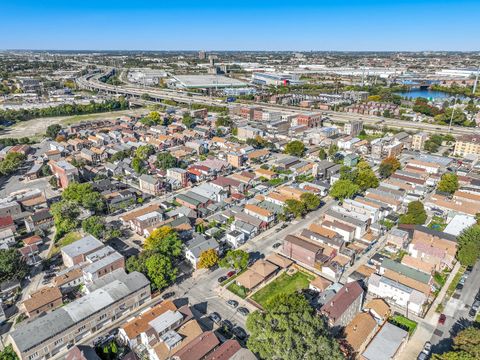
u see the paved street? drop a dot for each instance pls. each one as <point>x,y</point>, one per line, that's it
<point>456,311</point>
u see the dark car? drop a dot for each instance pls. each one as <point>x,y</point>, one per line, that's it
<point>215,317</point>
<point>422,356</point>
<point>222,279</point>
<point>232,303</point>
<point>239,333</point>
<point>227,324</point>
<point>472,312</point>
<point>231,273</point>
<point>243,311</point>
<point>477,297</point>
<point>168,295</point>
<point>441,319</point>
<point>276,245</point>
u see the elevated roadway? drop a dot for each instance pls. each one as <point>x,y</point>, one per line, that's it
<point>92,82</point>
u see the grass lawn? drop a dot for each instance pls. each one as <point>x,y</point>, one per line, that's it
<point>284,284</point>
<point>66,240</point>
<point>238,290</point>
<point>454,283</point>
<point>404,323</point>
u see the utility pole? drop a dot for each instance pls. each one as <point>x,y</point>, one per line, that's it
<point>453,112</point>
<point>476,82</point>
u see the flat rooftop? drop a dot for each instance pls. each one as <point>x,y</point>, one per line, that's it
<point>208,81</point>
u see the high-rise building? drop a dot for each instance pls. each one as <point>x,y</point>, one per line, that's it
<point>202,55</point>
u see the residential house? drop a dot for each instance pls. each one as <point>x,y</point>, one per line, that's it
<point>344,306</point>
<point>41,301</point>
<point>196,246</point>
<point>48,335</point>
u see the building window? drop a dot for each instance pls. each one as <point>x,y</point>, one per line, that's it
<point>58,342</point>
<point>33,356</point>
<point>81,328</point>
<point>102,317</point>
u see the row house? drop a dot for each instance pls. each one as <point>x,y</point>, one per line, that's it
<point>48,335</point>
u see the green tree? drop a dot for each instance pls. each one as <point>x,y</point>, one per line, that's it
<point>469,245</point>
<point>448,183</point>
<point>144,151</point>
<point>365,177</point>
<point>94,225</point>
<point>188,121</point>
<point>208,259</point>
<point>138,262</point>
<point>8,353</point>
<point>344,189</point>
<point>12,266</point>
<point>237,259</point>
<point>295,207</point>
<point>295,148</point>
<point>160,270</point>
<point>53,130</point>
<point>165,161</point>
<point>289,329</point>
<point>388,166</point>
<point>138,165</point>
<point>224,121</point>
<point>466,346</point>
<point>164,240</point>
<point>84,195</point>
<point>322,154</point>
<point>65,216</point>
<point>311,201</point>
<point>415,214</point>
<point>11,163</point>
<point>332,150</point>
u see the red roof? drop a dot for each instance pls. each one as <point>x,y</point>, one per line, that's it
<point>35,239</point>
<point>225,351</point>
<point>6,221</point>
<point>342,300</point>
<point>198,347</point>
<point>28,250</point>
<point>238,196</point>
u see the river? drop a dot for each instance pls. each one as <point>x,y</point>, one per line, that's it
<point>427,93</point>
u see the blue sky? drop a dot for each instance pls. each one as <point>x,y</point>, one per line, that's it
<point>240,25</point>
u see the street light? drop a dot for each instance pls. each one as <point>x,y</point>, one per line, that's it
<point>453,112</point>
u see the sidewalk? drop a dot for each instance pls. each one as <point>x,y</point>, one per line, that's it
<point>428,325</point>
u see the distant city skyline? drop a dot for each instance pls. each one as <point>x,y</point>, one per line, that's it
<point>370,25</point>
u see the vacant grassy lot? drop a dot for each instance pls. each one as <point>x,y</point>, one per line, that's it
<point>284,284</point>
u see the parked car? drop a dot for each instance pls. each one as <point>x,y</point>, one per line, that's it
<point>441,319</point>
<point>231,273</point>
<point>427,348</point>
<point>232,303</point>
<point>422,356</point>
<point>239,333</point>
<point>243,311</point>
<point>227,324</point>
<point>276,245</point>
<point>215,317</point>
<point>474,308</point>
<point>222,279</point>
<point>477,297</point>
<point>168,295</point>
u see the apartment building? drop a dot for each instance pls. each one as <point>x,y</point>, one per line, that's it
<point>48,335</point>
<point>418,141</point>
<point>76,252</point>
<point>467,145</point>
<point>64,172</point>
